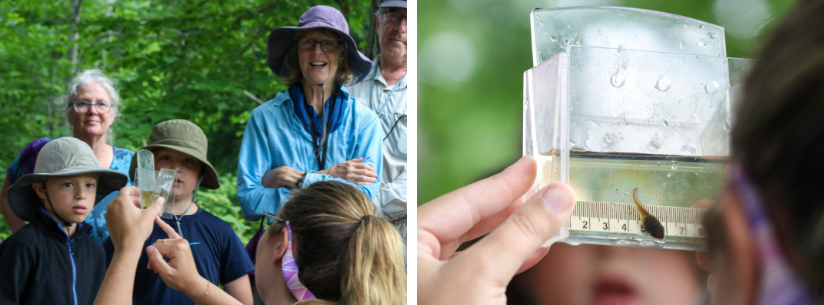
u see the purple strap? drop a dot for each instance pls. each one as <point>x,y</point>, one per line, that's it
<point>779,285</point>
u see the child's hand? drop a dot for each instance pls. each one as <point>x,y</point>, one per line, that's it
<point>129,226</point>
<point>480,274</point>
<point>180,272</point>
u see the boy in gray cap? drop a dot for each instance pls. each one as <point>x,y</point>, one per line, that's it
<point>218,253</point>
<point>52,260</point>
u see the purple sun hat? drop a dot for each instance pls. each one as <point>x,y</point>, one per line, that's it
<point>282,39</point>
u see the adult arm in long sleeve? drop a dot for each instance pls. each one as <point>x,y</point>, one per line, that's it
<point>254,161</point>
<point>368,145</point>
<point>393,197</point>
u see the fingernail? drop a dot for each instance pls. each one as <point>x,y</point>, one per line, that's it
<point>557,198</point>
<point>151,249</point>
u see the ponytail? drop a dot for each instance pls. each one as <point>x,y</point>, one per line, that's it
<point>346,254</point>
<point>375,273</point>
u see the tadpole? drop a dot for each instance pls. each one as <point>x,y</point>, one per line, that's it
<point>651,224</point>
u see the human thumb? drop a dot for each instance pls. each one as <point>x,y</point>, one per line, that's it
<point>156,207</point>
<point>157,262</point>
<point>525,231</point>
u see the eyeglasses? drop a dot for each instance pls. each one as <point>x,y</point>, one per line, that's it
<point>271,218</point>
<point>395,17</point>
<point>325,45</point>
<point>83,106</point>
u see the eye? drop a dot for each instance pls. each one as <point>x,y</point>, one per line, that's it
<point>90,185</point>
<point>68,184</point>
<point>165,158</point>
<point>190,161</point>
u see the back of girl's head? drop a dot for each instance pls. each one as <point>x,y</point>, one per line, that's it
<point>344,252</point>
<point>778,136</point>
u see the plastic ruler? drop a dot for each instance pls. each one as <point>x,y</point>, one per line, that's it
<point>624,218</point>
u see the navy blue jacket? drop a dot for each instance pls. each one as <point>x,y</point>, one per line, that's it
<point>40,265</point>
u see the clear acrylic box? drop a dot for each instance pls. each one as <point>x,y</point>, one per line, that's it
<point>607,118</point>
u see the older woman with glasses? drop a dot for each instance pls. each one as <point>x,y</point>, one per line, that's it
<point>91,109</point>
<point>313,131</point>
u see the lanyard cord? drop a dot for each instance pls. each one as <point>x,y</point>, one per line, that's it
<point>388,98</point>
<point>177,219</point>
<point>393,126</point>
<point>322,148</point>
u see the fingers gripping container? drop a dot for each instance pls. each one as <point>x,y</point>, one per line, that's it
<point>620,98</point>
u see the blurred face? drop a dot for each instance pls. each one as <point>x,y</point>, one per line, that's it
<point>319,66</point>
<point>392,32</point>
<point>92,122</point>
<point>72,197</point>
<point>187,167</point>
<point>602,275</point>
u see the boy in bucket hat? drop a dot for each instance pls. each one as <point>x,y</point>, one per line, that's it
<point>52,260</point>
<point>219,255</point>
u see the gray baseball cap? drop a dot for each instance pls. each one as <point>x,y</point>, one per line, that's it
<point>61,157</point>
<point>394,3</point>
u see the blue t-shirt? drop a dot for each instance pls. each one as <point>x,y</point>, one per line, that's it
<point>220,258</point>
<point>24,165</point>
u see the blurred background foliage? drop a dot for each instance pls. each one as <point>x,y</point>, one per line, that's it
<point>199,60</point>
<point>472,55</point>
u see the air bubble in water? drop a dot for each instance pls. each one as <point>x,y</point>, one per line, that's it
<point>674,164</point>
<point>681,44</point>
<point>542,23</point>
<point>607,139</point>
<point>700,26</point>
<point>712,35</point>
<point>688,149</point>
<point>711,87</point>
<point>666,123</point>
<point>617,80</point>
<point>669,175</point>
<point>553,38</point>
<point>655,144</point>
<point>663,84</point>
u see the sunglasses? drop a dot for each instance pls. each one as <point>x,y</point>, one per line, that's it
<point>271,219</point>
<point>325,45</point>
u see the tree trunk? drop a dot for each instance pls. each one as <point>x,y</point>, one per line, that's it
<point>74,33</point>
<point>373,47</point>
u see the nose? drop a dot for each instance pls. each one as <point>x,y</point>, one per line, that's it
<point>317,48</point>
<point>80,193</point>
<point>176,166</point>
<point>401,26</point>
<point>93,109</point>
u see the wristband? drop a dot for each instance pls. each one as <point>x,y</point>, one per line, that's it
<point>299,184</point>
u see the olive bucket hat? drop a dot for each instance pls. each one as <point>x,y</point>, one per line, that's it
<point>282,39</point>
<point>185,137</point>
<point>61,157</point>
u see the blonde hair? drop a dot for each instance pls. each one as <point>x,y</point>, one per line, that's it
<point>291,62</point>
<point>345,253</point>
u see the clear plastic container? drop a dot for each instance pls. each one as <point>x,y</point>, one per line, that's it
<point>607,120</point>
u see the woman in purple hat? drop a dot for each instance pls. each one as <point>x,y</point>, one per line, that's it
<point>313,131</point>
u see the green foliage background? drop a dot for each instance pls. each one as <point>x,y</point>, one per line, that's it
<point>176,59</point>
<point>471,129</point>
